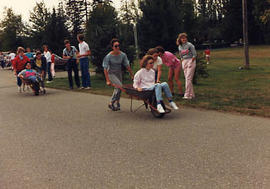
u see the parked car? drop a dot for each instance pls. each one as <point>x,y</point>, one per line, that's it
<point>60,63</point>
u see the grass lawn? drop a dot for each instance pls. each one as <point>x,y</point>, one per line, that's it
<point>226,89</point>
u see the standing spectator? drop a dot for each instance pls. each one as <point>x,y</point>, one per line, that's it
<point>11,57</point>
<point>170,60</point>
<point>53,64</point>
<point>157,63</point>
<point>29,54</point>
<point>40,65</point>
<point>2,60</point>
<point>84,61</point>
<point>69,53</point>
<point>112,65</point>
<point>207,55</point>
<point>48,57</point>
<point>19,64</point>
<point>188,57</point>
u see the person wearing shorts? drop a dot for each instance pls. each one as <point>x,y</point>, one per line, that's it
<point>174,64</point>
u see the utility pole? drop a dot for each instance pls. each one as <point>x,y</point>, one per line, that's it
<point>245,33</point>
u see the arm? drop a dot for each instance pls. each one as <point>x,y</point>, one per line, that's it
<point>137,81</point>
<point>159,73</point>
<point>194,53</point>
<point>108,82</point>
<point>14,64</point>
<point>130,72</point>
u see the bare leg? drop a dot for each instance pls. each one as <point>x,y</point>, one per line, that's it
<point>170,79</point>
<point>177,80</point>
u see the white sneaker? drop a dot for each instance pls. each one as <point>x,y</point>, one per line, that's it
<point>160,108</point>
<point>174,106</point>
<point>48,81</point>
<point>88,88</point>
<point>19,89</point>
<point>82,88</point>
<point>187,98</point>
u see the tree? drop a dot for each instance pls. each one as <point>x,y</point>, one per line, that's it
<point>56,30</point>
<point>39,18</point>
<point>100,29</point>
<point>161,21</point>
<point>12,30</point>
<point>75,11</point>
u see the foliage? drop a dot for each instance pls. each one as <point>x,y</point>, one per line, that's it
<point>201,68</point>
<point>100,29</point>
<point>12,30</point>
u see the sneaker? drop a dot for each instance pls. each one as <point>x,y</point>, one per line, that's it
<point>187,98</point>
<point>82,88</point>
<point>19,89</point>
<point>160,108</point>
<point>88,88</point>
<point>117,106</point>
<point>48,81</point>
<point>111,106</point>
<point>174,106</point>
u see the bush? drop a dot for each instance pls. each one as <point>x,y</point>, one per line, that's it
<point>201,68</point>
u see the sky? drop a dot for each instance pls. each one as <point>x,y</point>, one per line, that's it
<point>24,7</point>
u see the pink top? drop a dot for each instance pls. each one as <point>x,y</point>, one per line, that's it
<point>169,59</point>
<point>144,78</point>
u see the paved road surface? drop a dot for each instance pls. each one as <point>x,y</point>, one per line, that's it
<point>70,140</point>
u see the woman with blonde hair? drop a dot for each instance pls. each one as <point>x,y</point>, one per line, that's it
<point>188,57</point>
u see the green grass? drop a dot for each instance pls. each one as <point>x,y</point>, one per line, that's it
<point>226,89</point>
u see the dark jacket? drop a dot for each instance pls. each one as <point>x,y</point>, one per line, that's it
<point>42,67</point>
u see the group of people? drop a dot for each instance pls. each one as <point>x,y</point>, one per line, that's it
<point>27,65</point>
<point>149,76</point>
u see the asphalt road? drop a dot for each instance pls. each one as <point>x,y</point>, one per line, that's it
<point>69,140</point>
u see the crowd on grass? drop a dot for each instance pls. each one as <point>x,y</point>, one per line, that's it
<point>40,66</point>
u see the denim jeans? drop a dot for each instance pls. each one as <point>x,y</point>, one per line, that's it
<point>72,65</point>
<point>84,64</point>
<point>116,78</point>
<point>159,87</point>
<point>19,80</point>
<point>49,71</point>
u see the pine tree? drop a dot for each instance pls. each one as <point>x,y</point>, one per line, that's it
<point>101,27</point>
<point>75,11</point>
<point>39,19</point>
<point>12,30</point>
<point>161,22</point>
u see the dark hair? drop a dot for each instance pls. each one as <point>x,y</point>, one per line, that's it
<point>81,37</point>
<point>160,49</point>
<point>38,52</point>
<point>152,51</point>
<point>114,40</point>
<point>66,41</point>
<point>145,60</point>
<point>26,64</point>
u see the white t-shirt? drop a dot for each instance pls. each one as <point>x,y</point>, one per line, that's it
<point>157,63</point>
<point>83,47</point>
<point>12,56</point>
<point>48,56</point>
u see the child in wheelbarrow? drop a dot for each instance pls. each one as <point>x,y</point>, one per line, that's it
<point>144,79</point>
<point>29,74</point>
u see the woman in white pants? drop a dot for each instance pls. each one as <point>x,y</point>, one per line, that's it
<point>188,57</point>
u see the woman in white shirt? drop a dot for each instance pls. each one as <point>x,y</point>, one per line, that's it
<point>144,79</point>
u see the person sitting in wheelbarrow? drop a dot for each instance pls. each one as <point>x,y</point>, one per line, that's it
<point>144,79</point>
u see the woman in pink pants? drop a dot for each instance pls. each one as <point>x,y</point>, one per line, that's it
<point>188,57</point>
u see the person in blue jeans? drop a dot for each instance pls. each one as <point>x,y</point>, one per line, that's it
<point>69,53</point>
<point>83,54</point>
